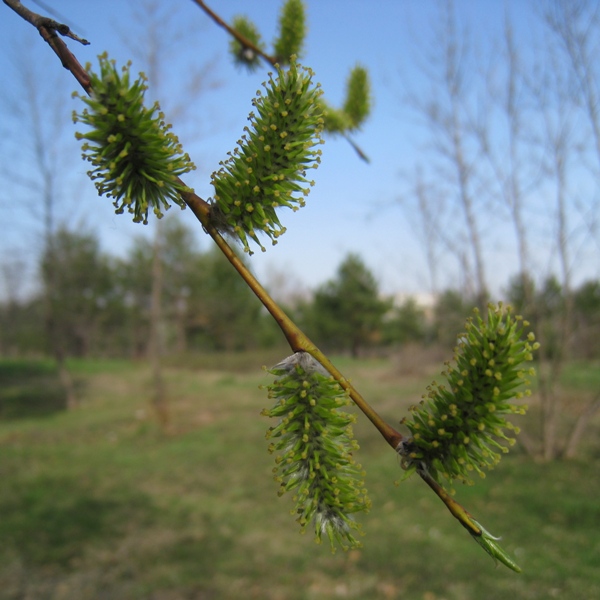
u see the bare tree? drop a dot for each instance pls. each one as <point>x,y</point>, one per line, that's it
<point>508,136</point>
<point>42,118</point>
<point>510,170</point>
<point>557,144</point>
<point>158,39</point>
<point>513,172</point>
<point>535,156</point>
<point>447,116</point>
<point>575,25</point>
<point>576,29</point>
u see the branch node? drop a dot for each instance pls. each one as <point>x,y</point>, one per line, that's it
<point>61,28</point>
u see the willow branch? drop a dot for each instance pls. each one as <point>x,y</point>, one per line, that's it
<point>295,337</point>
<point>458,511</point>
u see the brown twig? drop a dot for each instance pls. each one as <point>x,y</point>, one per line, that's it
<point>40,21</point>
<point>48,28</point>
<point>246,43</point>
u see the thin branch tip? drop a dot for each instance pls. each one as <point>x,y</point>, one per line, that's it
<point>41,22</point>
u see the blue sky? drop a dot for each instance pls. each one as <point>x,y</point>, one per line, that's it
<point>352,208</point>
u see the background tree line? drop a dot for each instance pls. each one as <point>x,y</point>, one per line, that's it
<point>102,306</point>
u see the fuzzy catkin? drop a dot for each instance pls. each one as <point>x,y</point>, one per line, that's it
<point>461,427</point>
<point>268,168</point>
<point>314,449</point>
<point>136,159</point>
<point>292,31</point>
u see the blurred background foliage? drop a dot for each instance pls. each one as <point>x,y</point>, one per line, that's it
<point>102,306</point>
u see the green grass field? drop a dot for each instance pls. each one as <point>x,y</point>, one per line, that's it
<point>98,503</point>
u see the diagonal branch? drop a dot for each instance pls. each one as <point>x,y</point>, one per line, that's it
<point>202,211</point>
<point>295,337</point>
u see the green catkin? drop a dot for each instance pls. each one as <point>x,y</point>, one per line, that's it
<point>292,31</point>
<point>314,449</point>
<point>357,105</point>
<point>268,169</point>
<point>242,55</point>
<point>461,428</point>
<point>135,158</point>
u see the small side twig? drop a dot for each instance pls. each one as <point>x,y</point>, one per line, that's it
<point>40,21</point>
<point>357,148</point>
<point>48,29</point>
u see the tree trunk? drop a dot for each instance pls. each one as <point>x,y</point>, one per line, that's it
<point>159,399</point>
<point>579,428</point>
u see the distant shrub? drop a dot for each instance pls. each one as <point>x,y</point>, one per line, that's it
<point>30,389</point>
